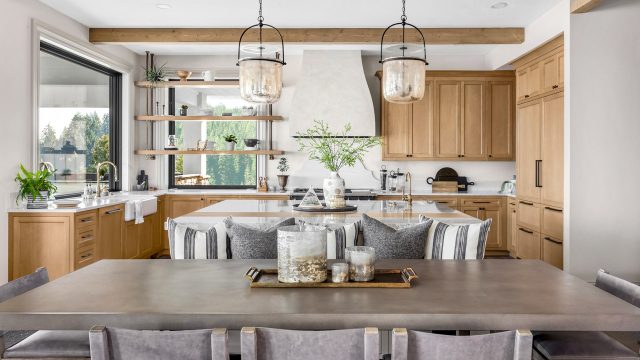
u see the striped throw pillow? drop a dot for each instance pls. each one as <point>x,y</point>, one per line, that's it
<point>341,238</point>
<point>194,242</point>
<point>456,242</point>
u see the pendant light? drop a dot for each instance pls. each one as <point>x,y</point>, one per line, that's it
<point>261,76</point>
<point>403,77</point>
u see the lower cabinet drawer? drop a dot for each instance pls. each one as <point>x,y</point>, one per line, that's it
<point>485,202</point>
<point>85,236</point>
<point>552,219</point>
<point>528,244</point>
<point>529,215</point>
<point>85,256</point>
<point>450,202</point>
<point>552,251</point>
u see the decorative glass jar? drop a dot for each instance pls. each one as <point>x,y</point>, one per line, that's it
<point>302,254</point>
<point>361,261</point>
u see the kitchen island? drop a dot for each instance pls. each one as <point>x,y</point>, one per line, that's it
<point>272,211</point>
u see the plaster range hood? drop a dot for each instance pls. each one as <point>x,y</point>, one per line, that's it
<point>332,88</point>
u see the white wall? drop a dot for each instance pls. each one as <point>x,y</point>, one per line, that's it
<point>16,95</point>
<point>308,173</point>
<point>605,88</point>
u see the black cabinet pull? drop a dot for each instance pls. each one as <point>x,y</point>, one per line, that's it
<point>552,209</point>
<point>527,231</point>
<point>552,240</point>
<point>113,211</point>
<point>482,202</point>
<point>526,203</point>
<point>538,182</point>
<point>526,96</point>
<point>555,86</point>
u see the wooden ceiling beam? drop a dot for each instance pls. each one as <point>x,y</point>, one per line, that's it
<point>583,6</point>
<point>455,36</point>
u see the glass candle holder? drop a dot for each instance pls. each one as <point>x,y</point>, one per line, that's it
<point>302,254</point>
<point>339,272</point>
<point>361,262</point>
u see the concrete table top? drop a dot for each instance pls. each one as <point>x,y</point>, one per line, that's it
<point>193,294</point>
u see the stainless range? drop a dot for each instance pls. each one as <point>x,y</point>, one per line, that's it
<point>349,194</point>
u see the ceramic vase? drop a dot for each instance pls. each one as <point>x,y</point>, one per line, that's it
<point>282,181</point>
<point>231,145</point>
<point>333,191</point>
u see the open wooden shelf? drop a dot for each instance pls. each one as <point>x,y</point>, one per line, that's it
<point>209,152</point>
<point>190,84</point>
<point>206,118</point>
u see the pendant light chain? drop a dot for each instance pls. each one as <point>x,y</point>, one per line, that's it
<point>404,25</point>
<point>260,18</point>
<point>403,18</point>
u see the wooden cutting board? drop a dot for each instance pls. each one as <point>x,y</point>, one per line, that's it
<point>444,186</point>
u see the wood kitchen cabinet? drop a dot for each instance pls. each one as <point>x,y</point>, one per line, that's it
<point>512,227</point>
<point>540,155</point>
<point>184,204</point>
<point>489,208</point>
<point>409,128</point>
<point>111,232</point>
<point>140,240</point>
<point>464,115</point>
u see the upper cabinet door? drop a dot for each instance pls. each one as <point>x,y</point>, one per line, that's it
<point>560,63</point>
<point>552,150</point>
<point>521,83</point>
<point>474,120</point>
<point>396,130</point>
<point>447,119</point>
<point>501,108</point>
<point>550,74</point>
<point>422,125</point>
<point>528,156</point>
<point>534,80</point>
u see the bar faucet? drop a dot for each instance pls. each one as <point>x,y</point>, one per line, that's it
<point>408,198</point>
<point>115,175</point>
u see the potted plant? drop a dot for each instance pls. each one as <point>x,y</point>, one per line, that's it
<point>183,110</point>
<point>283,179</point>
<point>35,187</point>
<point>334,150</point>
<point>154,74</point>
<point>231,141</point>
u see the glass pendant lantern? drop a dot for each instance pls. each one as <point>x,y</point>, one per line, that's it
<point>260,75</point>
<point>403,76</point>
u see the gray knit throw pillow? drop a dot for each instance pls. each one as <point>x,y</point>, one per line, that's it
<point>249,242</point>
<point>389,243</point>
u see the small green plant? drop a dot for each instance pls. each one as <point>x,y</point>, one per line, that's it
<point>231,138</point>
<point>283,165</point>
<point>32,183</point>
<point>154,74</point>
<point>334,150</point>
<point>184,107</point>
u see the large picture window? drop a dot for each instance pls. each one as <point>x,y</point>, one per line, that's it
<point>211,171</point>
<point>78,118</point>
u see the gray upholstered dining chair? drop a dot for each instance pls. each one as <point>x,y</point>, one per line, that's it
<point>415,345</point>
<point>124,344</point>
<point>59,344</point>
<point>277,344</point>
<point>594,345</point>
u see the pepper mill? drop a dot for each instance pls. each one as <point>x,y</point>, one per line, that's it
<point>383,177</point>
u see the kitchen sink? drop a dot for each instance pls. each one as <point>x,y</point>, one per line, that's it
<point>149,205</point>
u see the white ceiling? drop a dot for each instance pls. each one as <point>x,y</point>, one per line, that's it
<point>300,13</point>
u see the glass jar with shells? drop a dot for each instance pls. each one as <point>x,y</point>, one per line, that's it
<point>302,254</point>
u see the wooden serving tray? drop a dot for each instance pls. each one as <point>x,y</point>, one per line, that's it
<point>392,278</point>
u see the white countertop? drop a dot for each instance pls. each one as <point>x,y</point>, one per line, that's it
<point>123,197</point>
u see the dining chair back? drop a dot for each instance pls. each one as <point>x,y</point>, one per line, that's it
<point>23,284</point>
<point>119,344</point>
<point>272,344</point>
<point>415,345</point>
<point>618,287</point>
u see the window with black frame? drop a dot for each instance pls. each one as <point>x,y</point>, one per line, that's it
<point>78,118</point>
<point>236,171</point>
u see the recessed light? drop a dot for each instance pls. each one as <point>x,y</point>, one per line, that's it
<point>500,5</point>
<point>163,6</point>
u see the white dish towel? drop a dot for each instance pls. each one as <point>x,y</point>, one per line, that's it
<point>137,212</point>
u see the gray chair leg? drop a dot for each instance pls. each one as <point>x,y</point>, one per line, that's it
<point>524,345</point>
<point>219,339</point>
<point>371,344</point>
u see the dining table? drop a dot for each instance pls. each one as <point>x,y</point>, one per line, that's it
<point>492,294</point>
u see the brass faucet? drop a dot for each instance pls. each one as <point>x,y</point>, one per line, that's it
<point>115,175</point>
<point>408,198</point>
